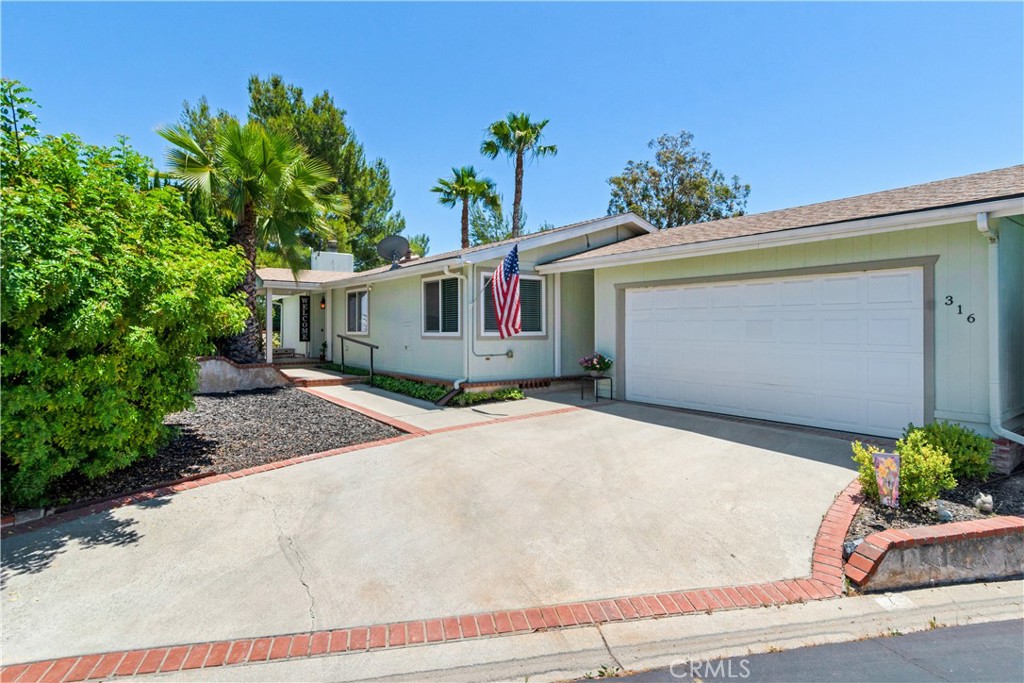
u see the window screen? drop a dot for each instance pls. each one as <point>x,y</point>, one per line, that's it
<point>431,306</point>
<point>531,313</point>
<point>358,312</point>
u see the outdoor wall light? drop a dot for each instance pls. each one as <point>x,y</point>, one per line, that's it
<point>323,302</point>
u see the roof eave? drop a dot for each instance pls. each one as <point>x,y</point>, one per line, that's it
<point>854,228</point>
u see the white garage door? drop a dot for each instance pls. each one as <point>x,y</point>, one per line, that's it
<point>840,351</point>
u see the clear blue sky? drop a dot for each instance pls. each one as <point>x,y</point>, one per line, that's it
<point>806,102</point>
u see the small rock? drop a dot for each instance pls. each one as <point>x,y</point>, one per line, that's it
<point>849,547</point>
<point>983,502</point>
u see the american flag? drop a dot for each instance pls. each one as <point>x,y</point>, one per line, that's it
<point>505,291</point>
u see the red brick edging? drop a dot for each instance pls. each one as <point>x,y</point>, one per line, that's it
<point>825,581</point>
<point>866,559</point>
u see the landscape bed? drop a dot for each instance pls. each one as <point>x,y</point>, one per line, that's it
<point>229,432</point>
<point>1007,493</point>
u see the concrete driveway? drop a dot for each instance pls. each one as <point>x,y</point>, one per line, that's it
<point>583,505</point>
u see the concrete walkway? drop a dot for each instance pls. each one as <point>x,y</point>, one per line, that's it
<point>507,514</point>
<point>423,415</point>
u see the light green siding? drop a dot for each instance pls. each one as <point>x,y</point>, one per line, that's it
<point>532,356</point>
<point>396,327</point>
<point>577,319</point>
<point>1011,318</point>
<point>961,348</point>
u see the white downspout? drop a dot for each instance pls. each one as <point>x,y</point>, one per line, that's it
<point>995,396</point>
<point>467,328</point>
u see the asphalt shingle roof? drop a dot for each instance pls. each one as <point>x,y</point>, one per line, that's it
<point>999,184</point>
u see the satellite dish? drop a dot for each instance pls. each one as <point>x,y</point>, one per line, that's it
<point>393,248</point>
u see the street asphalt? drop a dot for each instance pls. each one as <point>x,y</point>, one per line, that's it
<point>972,653</point>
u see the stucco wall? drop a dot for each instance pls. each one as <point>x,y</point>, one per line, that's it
<point>961,348</point>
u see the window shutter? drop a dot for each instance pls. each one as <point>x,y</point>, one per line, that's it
<point>450,305</point>
<point>490,320</point>
<point>431,306</point>
<point>531,314</point>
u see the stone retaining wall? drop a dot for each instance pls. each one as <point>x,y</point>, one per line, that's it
<point>218,375</point>
<point>976,550</point>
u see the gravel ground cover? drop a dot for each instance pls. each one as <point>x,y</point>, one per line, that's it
<point>1007,497</point>
<point>228,432</point>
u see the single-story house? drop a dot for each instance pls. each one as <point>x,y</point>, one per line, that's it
<point>859,314</point>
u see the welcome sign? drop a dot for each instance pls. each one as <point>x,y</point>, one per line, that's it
<point>304,318</point>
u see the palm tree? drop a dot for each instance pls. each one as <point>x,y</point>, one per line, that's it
<point>268,188</point>
<point>515,135</point>
<point>464,186</point>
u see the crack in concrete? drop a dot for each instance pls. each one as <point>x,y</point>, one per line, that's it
<point>281,534</point>
<point>607,648</point>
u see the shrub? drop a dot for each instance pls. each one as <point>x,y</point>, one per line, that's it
<point>969,451</point>
<point>407,387</point>
<point>346,370</point>
<point>108,294</point>
<point>509,394</point>
<point>925,471</point>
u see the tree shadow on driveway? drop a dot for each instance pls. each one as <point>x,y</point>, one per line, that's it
<point>34,551</point>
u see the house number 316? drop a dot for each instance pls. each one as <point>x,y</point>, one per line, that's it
<point>960,309</point>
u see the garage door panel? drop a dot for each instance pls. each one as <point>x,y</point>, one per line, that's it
<point>727,296</point>
<point>798,293</point>
<point>761,294</point>
<point>760,330</point>
<point>842,330</point>
<point>892,288</point>
<point>894,330</point>
<point>842,351</point>
<point>803,330</point>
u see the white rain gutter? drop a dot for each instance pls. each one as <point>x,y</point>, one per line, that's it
<point>995,396</point>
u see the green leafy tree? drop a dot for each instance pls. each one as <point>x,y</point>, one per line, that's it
<point>679,187</point>
<point>517,137</point>
<point>489,224</point>
<point>109,291</point>
<point>320,126</point>
<point>18,119</point>
<point>269,188</point>
<point>419,244</point>
<point>466,188</point>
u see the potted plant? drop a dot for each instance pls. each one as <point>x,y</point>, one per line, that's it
<point>323,351</point>
<point>595,364</point>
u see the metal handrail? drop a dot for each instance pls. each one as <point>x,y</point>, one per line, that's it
<point>345,338</point>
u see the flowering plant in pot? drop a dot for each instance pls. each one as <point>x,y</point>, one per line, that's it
<point>596,364</point>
